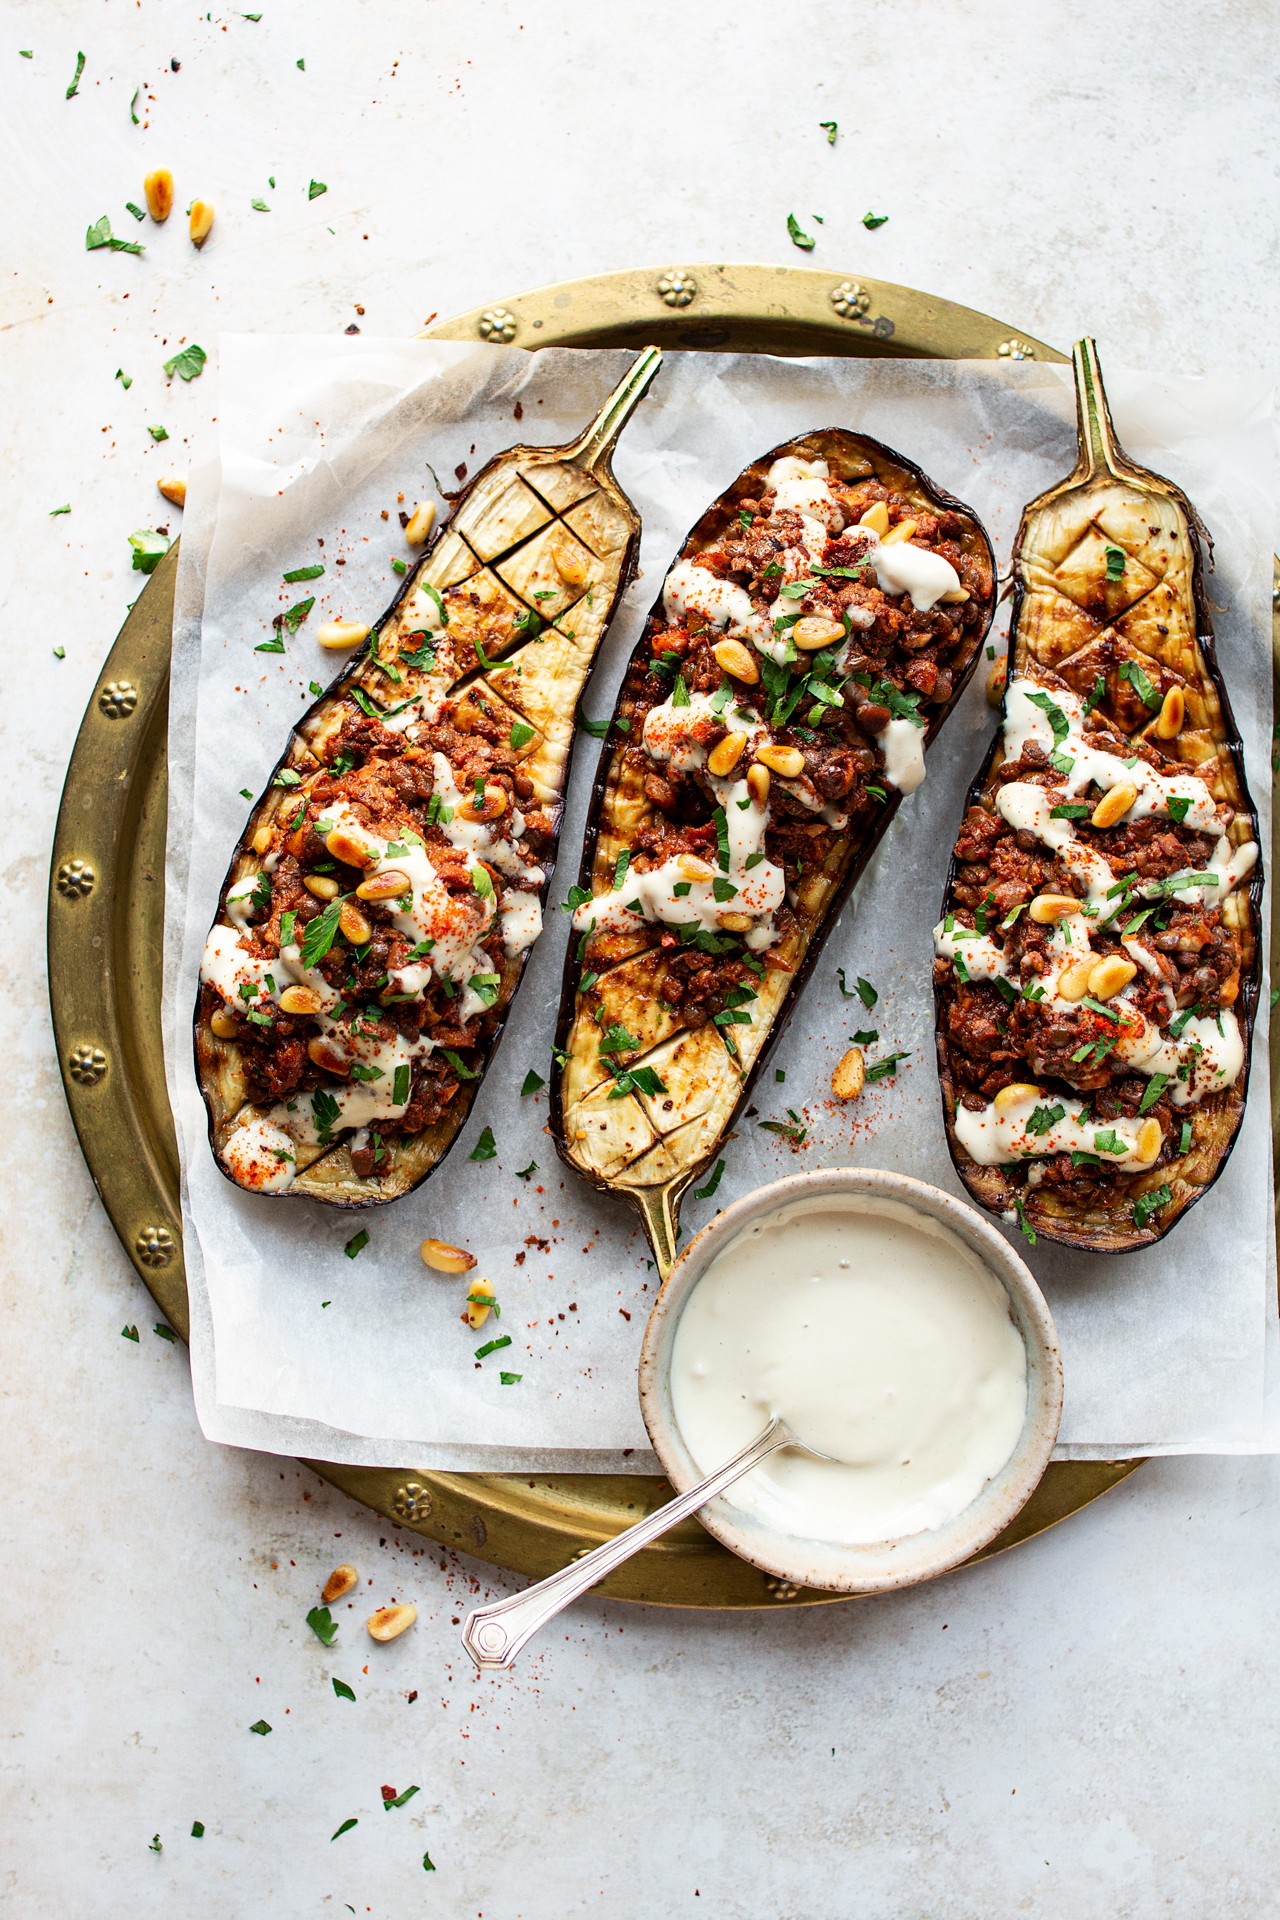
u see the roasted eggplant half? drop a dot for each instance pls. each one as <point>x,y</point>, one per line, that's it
<point>389,884</point>
<point>1098,962</point>
<point>811,637</point>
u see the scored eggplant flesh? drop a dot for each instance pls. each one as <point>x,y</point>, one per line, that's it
<point>1095,1004</point>
<point>812,635</point>
<point>389,884</point>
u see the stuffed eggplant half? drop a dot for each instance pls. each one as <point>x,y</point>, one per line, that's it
<point>813,634</point>
<point>389,884</point>
<point>1097,963</point>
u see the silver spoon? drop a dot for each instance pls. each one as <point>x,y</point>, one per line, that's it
<point>494,1635</point>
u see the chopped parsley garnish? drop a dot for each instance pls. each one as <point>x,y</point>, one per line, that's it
<point>197,1826</point>
<point>830,128</point>
<point>390,1800</point>
<point>1109,1141</point>
<point>129,1333</point>
<point>149,549</point>
<point>521,735</point>
<point>796,1134</point>
<point>1099,1006</point>
<point>1022,1222</point>
<point>459,1066</point>
<point>533,1083</point>
<point>523,1173</point>
<point>1056,717</point>
<point>1185,1142</point>
<point>100,235</point>
<point>304,573</point>
<point>681,888</point>
<point>888,1066</point>
<point>873,220</point>
<point>1177,1026</point>
<point>526,622</point>
<point>705,1193</point>
<point>1116,558</point>
<point>481,882</point>
<point>507,1380</point>
<point>485,1147</point>
<point>319,934</point>
<point>620,870</point>
<point>74,88</point>
<point>359,1071</point>
<point>342,1690</point>
<point>259,206</point>
<point>315,689</point>
<point>493,1346</point>
<point>1178,881</point>
<point>353,1822</point>
<point>1130,670</point>
<point>485,986</point>
<point>680,692</point>
<point>357,1243</point>
<point>317,187</point>
<point>600,728</point>
<point>55,511</point>
<point>158,433</point>
<point>326,1113</point>
<point>636,1080</point>
<point>1155,1087</point>
<point>323,1625</point>
<point>1098,693</point>
<point>187,364</point>
<point>293,618</point>
<point>1045,1117</point>
<point>1178,810</point>
<point>274,645</point>
<point>799,237</point>
<point>723,889</point>
<point>261,1726</point>
<point>1069,810</point>
<point>722,838</point>
<point>1148,1203</point>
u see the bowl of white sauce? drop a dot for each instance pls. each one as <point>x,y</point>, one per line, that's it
<point>893,1328</point>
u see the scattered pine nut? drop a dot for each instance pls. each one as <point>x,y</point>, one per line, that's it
<point>439,1255</point>
<point>340,1581</point>
<point>387,1622</point>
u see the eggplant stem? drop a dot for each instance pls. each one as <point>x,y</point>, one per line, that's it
<point>594,450</point>
<point>659,1208</point>
<point>1100,451</point>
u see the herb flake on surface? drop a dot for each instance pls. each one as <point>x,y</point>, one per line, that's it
<point>798,236</point>
<point>188,364</point>
<point>342,1690</point>
<point>323,1625</point>
<point>485,1147</point>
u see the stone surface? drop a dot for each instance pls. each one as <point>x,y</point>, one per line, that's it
<point>1083,1729</point>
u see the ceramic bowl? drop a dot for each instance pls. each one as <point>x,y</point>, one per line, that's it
<point>893,1563</point>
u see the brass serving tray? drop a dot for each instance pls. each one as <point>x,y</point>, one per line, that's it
<point>106,910</point>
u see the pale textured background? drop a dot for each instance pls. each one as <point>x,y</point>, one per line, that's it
<point>1093,1736</point>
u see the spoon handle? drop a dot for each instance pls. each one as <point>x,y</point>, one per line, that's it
<point>494,1635</point>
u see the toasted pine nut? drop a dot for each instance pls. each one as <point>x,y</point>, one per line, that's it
<point>788,762</point>
<point>351,852</point>
<point>443,1258</point>
<point>323,1053</point>
<point>174,488</point>
<point>300,1000</point>
<point>737,660</point>
<point>158,188</point>
<point>387,1622</point>
<point>877,518</point>
<point>1172,715</point>
<point>997,680</point>
<point>1109,975</point>
<point>1048,907</point>
<point>421,521</point>
<point>262,839</point>
<point>341,633</point>
<point>816,630</point>
<point>758,784</point>
<point>479,1295</point>
<point>355,927</point>
<point>1114,805</point>
<point>491,807</point>
<point>896,535</point>
<point>724,757</point>
<point>568,564</point>
<point>387,885</point>
<point>735,922</point>
<point>323,885</point>
<point>846,1081</point>
<point>1009,1096</point>
<point>694,869</point>
<point>953,596</point>
<point>224,1024</point>
<point>1150,1140</point>
<point>1073,981</point>
<point>340,1581</point>
<point>201,221</point>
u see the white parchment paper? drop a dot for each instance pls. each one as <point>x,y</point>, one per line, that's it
<point>297,1347</point>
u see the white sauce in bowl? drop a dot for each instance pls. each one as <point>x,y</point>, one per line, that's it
<point>881,1339</point>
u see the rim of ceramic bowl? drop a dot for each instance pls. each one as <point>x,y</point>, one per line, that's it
<point>883,1566</point>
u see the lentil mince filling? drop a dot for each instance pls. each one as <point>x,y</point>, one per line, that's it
<point>1086,976</point>
<point>779,705</point>
<point>397,897</point>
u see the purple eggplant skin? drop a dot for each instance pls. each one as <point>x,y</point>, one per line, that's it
<point>903,476</point>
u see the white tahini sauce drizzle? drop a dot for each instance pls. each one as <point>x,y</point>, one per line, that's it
<point>1207,1055</point>
<point>882,1339</point>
